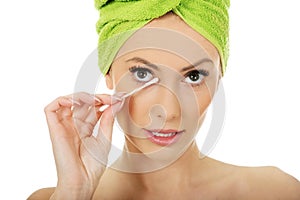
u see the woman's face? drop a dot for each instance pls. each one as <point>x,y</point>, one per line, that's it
<point>164,116</point>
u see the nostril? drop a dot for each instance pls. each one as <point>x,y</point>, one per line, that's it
<point>160,116</point>
<point>171,116</point>
<point>162,113</point>
<point>157,110</point>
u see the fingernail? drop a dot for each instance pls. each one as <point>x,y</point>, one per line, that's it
<point>97,99</point>
<point>102,108</point>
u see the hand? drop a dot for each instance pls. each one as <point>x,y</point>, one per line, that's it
<point>80,156</point>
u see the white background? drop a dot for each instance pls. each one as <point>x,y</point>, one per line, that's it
<point>44,43</point>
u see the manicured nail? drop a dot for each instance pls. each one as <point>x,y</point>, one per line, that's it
<point>102,108</point>
<point>97,99</point>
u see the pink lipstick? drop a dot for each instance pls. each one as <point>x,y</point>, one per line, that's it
<point>163,137</point>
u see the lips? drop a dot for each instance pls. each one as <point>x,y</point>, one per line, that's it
<point>163,137</point>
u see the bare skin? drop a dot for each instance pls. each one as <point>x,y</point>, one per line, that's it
<point>187,178</point>
<point>207,179</point>
<point>221,181</point>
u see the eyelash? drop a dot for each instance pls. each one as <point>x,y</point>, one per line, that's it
<point>134,69</point>
<point>202,72</point>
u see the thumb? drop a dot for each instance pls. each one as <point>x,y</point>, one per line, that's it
<point>107,121</point>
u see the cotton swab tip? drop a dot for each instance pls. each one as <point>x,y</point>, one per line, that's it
<point>155,80</point>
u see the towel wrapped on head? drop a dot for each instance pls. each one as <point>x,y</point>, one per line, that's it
<point>119,19</point>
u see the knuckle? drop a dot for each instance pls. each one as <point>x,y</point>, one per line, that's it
<point>47,108</point>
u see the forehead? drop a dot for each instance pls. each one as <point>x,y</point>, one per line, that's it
<point>170,33</point>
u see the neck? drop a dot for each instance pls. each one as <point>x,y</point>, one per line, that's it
<point>178,175</point>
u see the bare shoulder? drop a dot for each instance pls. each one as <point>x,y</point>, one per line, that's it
<point>269,183</point>
<point>41,194</point>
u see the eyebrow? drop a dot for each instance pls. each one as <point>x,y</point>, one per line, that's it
<point>146,62</point>
<point>204,60</point>
<point>141,60</point>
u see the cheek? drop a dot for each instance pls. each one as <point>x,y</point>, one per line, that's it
<point>204,100</point>
<point>139,108</point>
<point>194,104</point>
<point>208,90</point>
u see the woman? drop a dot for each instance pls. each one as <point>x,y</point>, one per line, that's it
<point>161,159</point>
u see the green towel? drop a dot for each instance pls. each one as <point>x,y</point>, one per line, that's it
<point>119,19</point>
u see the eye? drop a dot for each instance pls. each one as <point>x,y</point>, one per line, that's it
<point>195,77</point>
<point>141,74</point>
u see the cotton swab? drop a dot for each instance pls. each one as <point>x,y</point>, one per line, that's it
<point>155,80</point>
<point>122,98</point>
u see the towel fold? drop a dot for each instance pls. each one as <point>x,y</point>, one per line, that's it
<point>119,19</point>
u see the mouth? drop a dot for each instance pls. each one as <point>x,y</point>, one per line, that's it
<point>163,137</point>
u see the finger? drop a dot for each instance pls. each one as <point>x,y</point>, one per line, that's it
<point>64,113</point>
<point>106,99</point>
<point>93,115</point>
<point>85,127</point>
<point>80,112</point>
<point>86,115</point>
<point>107,121</point>
<point>52,110</point>
<point>106,125</point>
<point>85,98</point>
<point>87,102</point>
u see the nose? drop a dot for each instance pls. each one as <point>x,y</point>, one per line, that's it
<point>167,105</point>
